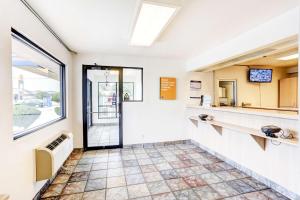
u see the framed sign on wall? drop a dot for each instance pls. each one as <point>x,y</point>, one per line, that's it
<point>195,89</point>
<point>167,88</point>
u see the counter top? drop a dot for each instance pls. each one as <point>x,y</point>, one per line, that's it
<point>250,111</point>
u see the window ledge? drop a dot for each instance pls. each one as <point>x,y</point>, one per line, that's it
<point>29,131</point>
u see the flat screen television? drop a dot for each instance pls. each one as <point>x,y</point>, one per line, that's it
<point>260,75</point>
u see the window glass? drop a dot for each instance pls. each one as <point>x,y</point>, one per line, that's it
<point>132,84</point>
<point>37,88</point>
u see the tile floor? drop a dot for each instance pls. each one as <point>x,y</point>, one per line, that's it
<point>104,135</point>
<point>182,172</point>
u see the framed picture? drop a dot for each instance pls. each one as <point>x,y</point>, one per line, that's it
<point>195,89</point>
<point>195,85</point>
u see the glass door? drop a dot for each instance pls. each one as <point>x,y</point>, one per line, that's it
<point>103,107</point>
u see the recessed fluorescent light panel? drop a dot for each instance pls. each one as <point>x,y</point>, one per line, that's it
<point>151,21</point>
<point>290,57</point>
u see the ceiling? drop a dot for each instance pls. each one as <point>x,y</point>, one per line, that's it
<point>273,61</point>
<point>266,56</point>
<point>104,26</point>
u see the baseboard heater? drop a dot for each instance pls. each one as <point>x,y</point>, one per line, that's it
<point>51,157</point>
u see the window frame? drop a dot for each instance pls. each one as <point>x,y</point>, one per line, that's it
<point>142,82</point>
<point>22,38</point>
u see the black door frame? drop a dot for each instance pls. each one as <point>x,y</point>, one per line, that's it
<point>85,68</point>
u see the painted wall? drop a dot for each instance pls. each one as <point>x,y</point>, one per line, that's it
<point>17,169</point>
<point>258,94</point>
<point>152,120</point>
<point>207,83</point>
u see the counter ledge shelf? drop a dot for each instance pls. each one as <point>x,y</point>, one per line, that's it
<point>259,137</point>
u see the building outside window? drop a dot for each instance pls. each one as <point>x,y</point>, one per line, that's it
<point>38,87</point>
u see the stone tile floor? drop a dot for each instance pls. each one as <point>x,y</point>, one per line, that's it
<point>103,135</point>
<point>181,171</point>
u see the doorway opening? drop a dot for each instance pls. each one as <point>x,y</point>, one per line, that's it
<point>102,107</point>
<point>227,93</point>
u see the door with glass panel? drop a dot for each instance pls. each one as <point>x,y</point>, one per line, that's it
<point>102,103</point>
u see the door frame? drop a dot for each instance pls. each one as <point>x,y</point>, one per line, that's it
<point>234,89</point>
<point>85,68</point>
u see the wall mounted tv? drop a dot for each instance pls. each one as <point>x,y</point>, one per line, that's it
<point>260,75</point>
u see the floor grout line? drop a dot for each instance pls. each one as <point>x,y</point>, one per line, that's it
<point>159,155</point>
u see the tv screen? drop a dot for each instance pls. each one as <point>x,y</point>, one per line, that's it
<point>260,75</point>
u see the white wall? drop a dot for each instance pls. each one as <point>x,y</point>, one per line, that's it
<point>17,168</point>
<point>152,120</point>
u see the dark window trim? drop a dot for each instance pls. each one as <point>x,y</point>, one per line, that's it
<point>22,38</point>
<point>29,131</point>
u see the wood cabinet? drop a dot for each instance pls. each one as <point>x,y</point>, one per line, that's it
<point>288,92</point>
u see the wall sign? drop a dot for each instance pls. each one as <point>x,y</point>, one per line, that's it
<point>195,89</point>
<point>167,88</point>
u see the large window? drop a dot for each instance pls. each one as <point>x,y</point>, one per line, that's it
<point>38,87</point>
<point>132,84</point>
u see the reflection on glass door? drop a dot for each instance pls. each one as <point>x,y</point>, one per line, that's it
<point>107,100</point>
<point>89,103</point>
<point>103,124</point>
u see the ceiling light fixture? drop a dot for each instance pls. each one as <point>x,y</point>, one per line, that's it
<point>290,57</point>
<point>152,19</point>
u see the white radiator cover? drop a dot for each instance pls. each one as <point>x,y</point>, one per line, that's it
<point>48,162</point>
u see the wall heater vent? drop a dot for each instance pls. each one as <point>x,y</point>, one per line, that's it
<point>51,157</point>
<point>56,142</point>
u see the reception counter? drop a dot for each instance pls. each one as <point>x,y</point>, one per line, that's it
<point>249,121</point>
<point>234,135</point>
<point>252,111</point>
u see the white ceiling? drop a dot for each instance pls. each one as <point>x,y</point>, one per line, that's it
<point>104,26</point>
<point>273,59</point>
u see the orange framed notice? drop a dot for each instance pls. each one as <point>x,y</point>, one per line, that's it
<point>167,88</point>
